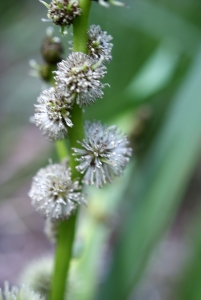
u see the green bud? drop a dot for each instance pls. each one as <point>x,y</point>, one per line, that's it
<point>52,50</point>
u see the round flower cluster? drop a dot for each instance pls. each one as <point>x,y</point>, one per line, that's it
<point>79,76</point>
<point>54,194</point>
<point>99,45</point>
<point>37,275</point>
<point>15,293</point>
<point>52,114</point>
<point>63,12</point>
<point>104,154</point>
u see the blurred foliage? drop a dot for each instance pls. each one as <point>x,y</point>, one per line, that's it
<point>189,287</point>
<point>156,66</point>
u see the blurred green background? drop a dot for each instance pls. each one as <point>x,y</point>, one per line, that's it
<point>144,231</point>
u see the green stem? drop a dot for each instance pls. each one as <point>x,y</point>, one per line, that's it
<point>63,253</point>
<point>80,28</point>
<point>61,148</point>
<point>66,230</point>
<point>75,133</point>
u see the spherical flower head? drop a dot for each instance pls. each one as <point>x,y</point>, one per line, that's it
<point>63,12</point>
<point>15,293</point>
<point>99,45</point>
<point>79,76</point>
<point>37,275</point>
<point>52,114</point>
<point>104,154</point>
<point>54,194</point>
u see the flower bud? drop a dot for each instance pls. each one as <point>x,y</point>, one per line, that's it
<point>45,72</point>
<point>52,50</point>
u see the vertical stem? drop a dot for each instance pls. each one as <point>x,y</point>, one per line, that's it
<point>66,230</point>
<point>63,253</point>
<point>80,28</point>
<point>75,133</point>
<point>61,149</point>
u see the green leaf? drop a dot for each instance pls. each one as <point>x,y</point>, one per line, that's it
<point>156,72</point>
<point>156,187</point>
<point>159,21</point>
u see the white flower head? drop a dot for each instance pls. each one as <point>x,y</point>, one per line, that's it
<point>63,12</point>
<point>79,77</point>
<point>52,114</point>
<point>104,154</point>
<point>37,275</point>
<point>99,45</point>
<point>54,194</point>
<point>15,293</point>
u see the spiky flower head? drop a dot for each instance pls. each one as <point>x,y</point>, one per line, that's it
<point>99,45</point>
<point>54,194</point>
<point>104,154</point>
<point>37,275</point>
<point>63,12</point>
<point>107,2</point>
<point>52,114</point>
<point>79,77</point>
<point>15,293</point>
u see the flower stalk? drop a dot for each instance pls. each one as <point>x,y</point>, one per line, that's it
<point>66,230</point>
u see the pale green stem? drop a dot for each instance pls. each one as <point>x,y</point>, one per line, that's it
<point>61,148</point>
<point>66,230</point>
